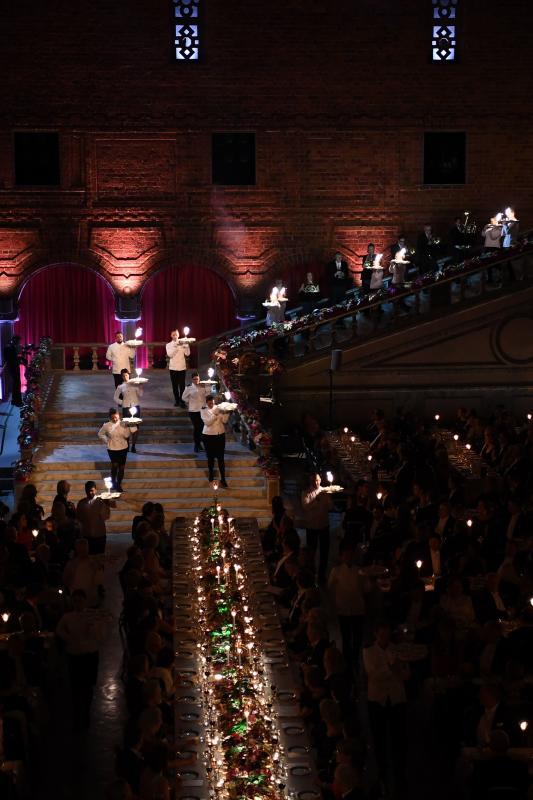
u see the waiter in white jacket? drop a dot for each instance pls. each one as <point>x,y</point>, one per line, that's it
<point>195,396</point>
<point>214,436</point>
<point>177,365</point>
<point>115,435</point>
<point>128,395</point>
<point>119,354</point>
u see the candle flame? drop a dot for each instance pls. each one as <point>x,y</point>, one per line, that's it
<point>35,533</point>
<point>186,330</point>
<point>138,333</point>
<point>437,417</point>
<point>456,437</point>
<point>133,411</point>
<point>139,371</point>
<point>469,523</point>
<point>5,616</point>
<point>108,483</point>
<point>329,476</point>
<point>227,395</point>
<point>210,372</point>
<point>524,724</point>
<point>419,564</point>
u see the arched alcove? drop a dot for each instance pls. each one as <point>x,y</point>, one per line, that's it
<point>68,302</point>
<point>193,296</point>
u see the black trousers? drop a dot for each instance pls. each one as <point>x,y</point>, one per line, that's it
<point>197,425</point>
<point>117,377</point>
<point>388,726</point>
<point>83,672</point>
<point>318,538</point>
<point>214,448</point>
<point>177,378</point>
<point>118,463</point>
<point>351,630</point>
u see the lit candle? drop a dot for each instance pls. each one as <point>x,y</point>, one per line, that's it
<point>218,574</point>
<point>352,438</point>
<point>35,533</point>
<point>133,411</point>
<point>227,395</point>
<point>531,601</point>
<point>329,476</point>
<point>139,371</point>
<point>233,614</point>
<point>524,724</point>
<point>345,430</point>
<point>529,417</point>
<point>210,373</point>
<point>419,565</point>
<point>456,437</point>
<point>239,653</point>
<point>138,333</point>
<point>108,482</point>
<point>186,331</point>
<point>437,417</point>
<point>369,458</point>
<point>5,616</point>
<point>468,446</point>
<point>469,523</point>
<point>379,495</point>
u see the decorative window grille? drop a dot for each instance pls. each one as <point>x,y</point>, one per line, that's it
<point>188,29</point>
<point>444,30</point>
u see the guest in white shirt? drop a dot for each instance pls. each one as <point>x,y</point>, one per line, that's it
<point>386,702</point>
<point>115,435</point>
<point>346,589</point>
<point>316,506</point>
<point>194,396</point>
<point>83,572</point>
<point>119,354</point>
<point>177,365</point>
<point>127,396</point>
<point>214,436</point>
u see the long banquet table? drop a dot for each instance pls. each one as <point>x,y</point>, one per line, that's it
<point>193,716</point>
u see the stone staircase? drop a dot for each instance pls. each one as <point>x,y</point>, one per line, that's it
<point>165,469</point>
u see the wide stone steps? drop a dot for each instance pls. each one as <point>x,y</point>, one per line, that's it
<point>165,469</point>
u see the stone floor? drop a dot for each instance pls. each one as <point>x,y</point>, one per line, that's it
<point>81,766</point>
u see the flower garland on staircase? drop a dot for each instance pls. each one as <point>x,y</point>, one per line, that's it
<point>249,412</point>
<point>31,404</point>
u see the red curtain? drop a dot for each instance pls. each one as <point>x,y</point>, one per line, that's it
<point>68,303</point>
<point>191,296</point>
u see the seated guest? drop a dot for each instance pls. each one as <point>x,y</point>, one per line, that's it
<point>490,605</point>
<point>499,772</point>
<point>309,294</point>
<point>290,547</point>
<point>488,715</point>
<point>130,760</point>
<point>347,783</point>
<point>272,536</point>
<point>340,279</point>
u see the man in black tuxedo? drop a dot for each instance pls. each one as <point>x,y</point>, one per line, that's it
<point>339,277</point>
<point>427,251</point>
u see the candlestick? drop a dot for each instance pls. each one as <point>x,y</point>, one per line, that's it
<point>218,574</point>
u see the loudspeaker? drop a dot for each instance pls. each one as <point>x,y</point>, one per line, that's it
<point>128,307</point>
<point>336,360</point>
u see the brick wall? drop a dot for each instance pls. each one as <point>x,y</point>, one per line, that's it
<point>338,93</point>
